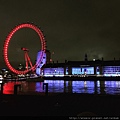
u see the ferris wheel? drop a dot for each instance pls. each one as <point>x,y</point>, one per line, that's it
<point>27,58</point>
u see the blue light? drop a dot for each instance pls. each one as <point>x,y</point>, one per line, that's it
<point>54,71</point>
<point>111,70</point>
<point>83,70</point>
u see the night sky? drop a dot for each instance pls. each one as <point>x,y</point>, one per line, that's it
<point>71,28</point>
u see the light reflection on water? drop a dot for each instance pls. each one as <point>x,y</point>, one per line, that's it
<point>60,86</point>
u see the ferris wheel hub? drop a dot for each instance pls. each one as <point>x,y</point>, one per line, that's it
<point>24,49</point>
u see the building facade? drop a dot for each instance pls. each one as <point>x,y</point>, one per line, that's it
<point>96,68</point>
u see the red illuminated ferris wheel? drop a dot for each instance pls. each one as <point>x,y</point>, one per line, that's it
<point>27,58</point>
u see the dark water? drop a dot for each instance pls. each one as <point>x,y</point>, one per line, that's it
<point>61,86</point>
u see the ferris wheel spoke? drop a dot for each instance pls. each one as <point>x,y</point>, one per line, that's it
<point>28,58</point>
<point>26,61</point>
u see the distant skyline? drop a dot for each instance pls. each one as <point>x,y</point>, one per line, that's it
<point>72,28</point>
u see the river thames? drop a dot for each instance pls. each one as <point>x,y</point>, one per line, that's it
<point>62,86</point>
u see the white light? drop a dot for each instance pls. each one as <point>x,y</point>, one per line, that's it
<point>1,81</point>
<point>48,75</point>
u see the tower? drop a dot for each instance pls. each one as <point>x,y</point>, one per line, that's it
<point>86,59</point>
<point>48,56</point>
<point>41,63</point>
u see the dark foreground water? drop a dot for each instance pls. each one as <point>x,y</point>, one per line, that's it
<point>62,86</point>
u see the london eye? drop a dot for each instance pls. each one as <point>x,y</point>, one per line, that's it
<point>26,56</point>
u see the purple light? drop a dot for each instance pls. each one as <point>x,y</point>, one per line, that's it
<point>40,63</point>
<point>111,70</point>
<point>83,70</point>
<point>53,71</point>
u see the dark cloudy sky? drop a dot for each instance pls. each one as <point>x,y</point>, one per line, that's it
<point>71,27</point>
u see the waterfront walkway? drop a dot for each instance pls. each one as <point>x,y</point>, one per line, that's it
<point>86,78</point>
<point>59,104</point>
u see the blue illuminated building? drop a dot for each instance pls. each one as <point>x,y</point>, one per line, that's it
<point>41,63</point>
<point>89,68</point>
<point>86,68</point>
